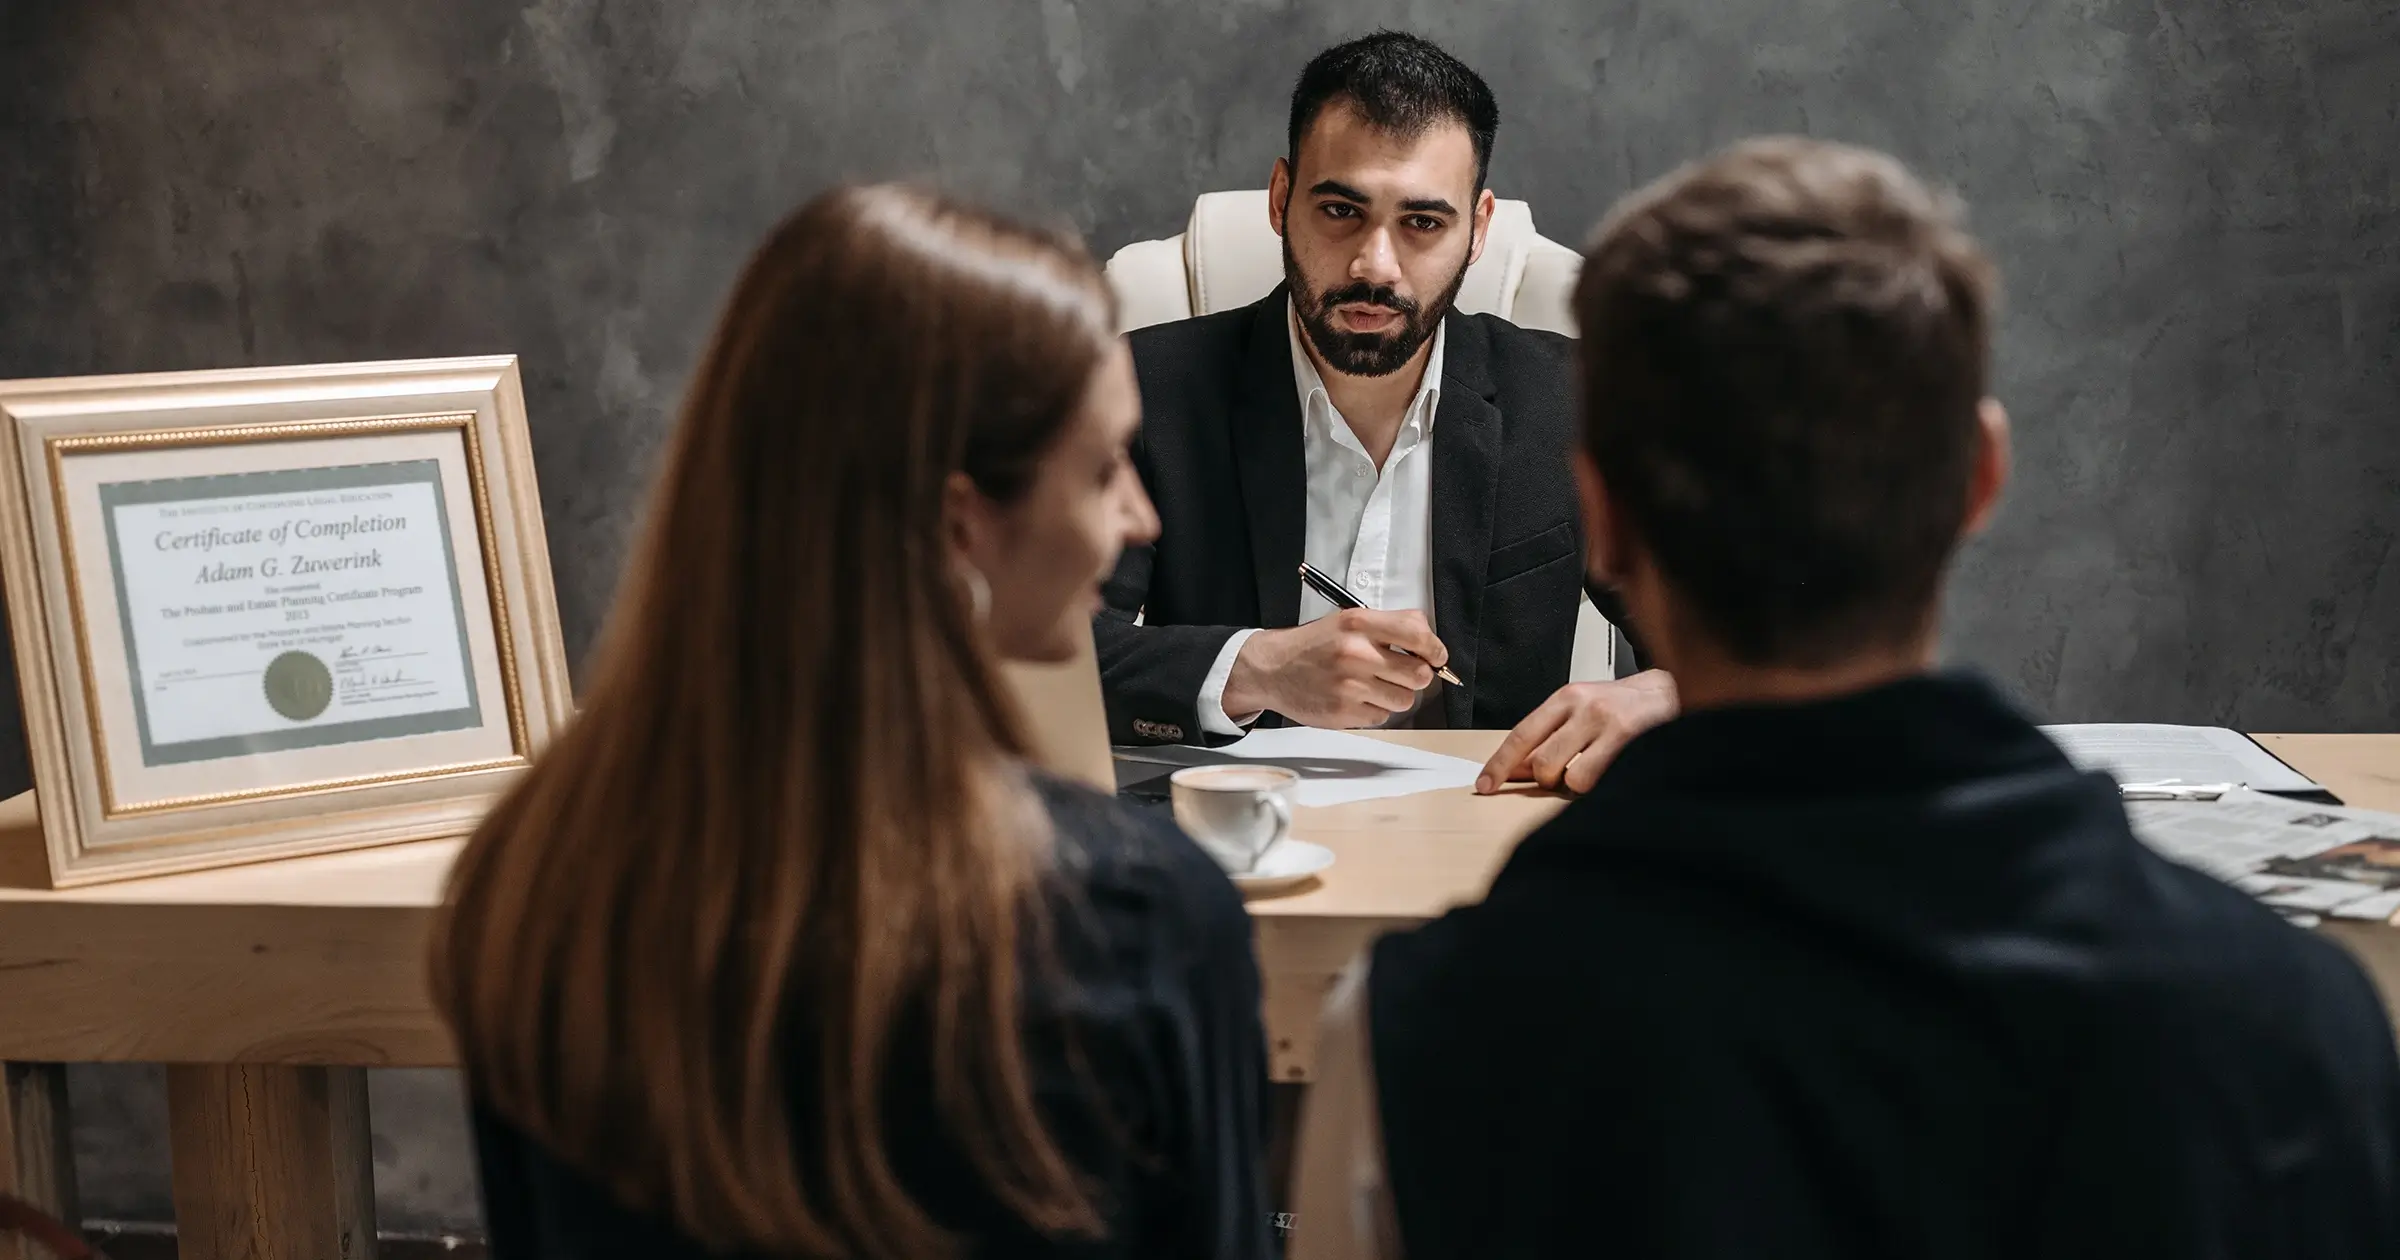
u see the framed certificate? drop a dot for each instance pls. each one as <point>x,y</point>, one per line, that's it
<point>276,611</point>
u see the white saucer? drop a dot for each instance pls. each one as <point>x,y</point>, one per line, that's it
<point>1288,863</point>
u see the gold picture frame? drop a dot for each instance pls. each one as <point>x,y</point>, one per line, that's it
<point>268,612</point>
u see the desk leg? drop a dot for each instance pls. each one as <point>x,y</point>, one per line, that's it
<point>1284,1101</point>
<point>271,1163</point>
<point>36,1162</point>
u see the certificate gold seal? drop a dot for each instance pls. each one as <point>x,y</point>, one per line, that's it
<point>298,685</point>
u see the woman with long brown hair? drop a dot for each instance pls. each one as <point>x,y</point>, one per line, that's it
<point>780,949</point>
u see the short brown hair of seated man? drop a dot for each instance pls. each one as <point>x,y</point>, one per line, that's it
<point>1847,960</point>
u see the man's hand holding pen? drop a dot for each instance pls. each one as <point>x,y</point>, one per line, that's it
<point>1340,671</point>
<point>1360,666</point>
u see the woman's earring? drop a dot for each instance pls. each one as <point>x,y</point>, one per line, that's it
<point>979,592</point>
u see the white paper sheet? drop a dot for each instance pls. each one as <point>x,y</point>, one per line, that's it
<point>2143,752</point>
<point>1335,767</point>
<point>2292,855</point>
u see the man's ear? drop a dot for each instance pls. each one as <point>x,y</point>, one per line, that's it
<point>1279,193</point>
<point>1990,473</point>
<point>1485,202</point>
<point>1606,543</point>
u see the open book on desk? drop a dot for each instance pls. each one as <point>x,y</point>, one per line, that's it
<point>2150,752</point>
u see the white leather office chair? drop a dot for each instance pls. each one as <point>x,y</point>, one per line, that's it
<point>1066,721</point>
<point>1229,256</point>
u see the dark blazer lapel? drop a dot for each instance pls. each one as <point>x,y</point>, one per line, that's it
<point>1268,453</point>
<point>1466,489</point>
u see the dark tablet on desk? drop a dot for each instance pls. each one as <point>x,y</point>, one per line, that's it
<point>1142,780</point>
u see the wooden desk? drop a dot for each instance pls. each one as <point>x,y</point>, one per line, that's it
<point>269,989</point>
<point>1396,862</point>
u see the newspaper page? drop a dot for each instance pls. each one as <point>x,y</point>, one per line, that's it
<point>2300,858</point>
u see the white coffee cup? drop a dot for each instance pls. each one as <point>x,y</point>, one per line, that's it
<point>1237,813</point>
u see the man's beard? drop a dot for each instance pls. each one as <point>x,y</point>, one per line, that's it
<point>1366,354</point>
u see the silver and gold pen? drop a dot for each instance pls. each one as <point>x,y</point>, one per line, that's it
<point>1340,597</point>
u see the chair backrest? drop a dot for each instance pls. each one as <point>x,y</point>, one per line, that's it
<point>1228,255</point>
<point>1065,717</point>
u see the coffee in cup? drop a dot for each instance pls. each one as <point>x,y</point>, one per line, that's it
<point>1236,813</point>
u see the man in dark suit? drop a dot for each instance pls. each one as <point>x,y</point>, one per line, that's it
<point>1847,960</point>
<point>1354,419</point>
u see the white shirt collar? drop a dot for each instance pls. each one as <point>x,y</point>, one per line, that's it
<point>1311,385</point>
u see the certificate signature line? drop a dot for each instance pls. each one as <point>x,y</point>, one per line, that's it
<point>162,683</point>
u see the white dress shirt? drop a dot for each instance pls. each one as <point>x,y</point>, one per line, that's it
<point>1371,528</point>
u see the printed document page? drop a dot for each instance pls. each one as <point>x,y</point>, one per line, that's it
<point>1335,767</point>
<point>2145,752</point>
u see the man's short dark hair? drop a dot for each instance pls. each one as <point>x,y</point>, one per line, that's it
<point>1784,350</point>
<point>1400,84</point>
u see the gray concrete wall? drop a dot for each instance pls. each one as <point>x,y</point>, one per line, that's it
<point>2195,204</point>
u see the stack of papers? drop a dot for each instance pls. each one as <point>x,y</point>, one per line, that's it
<point>2143,752</point>
<point>2305,860</point>
<point>1335,768</point>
